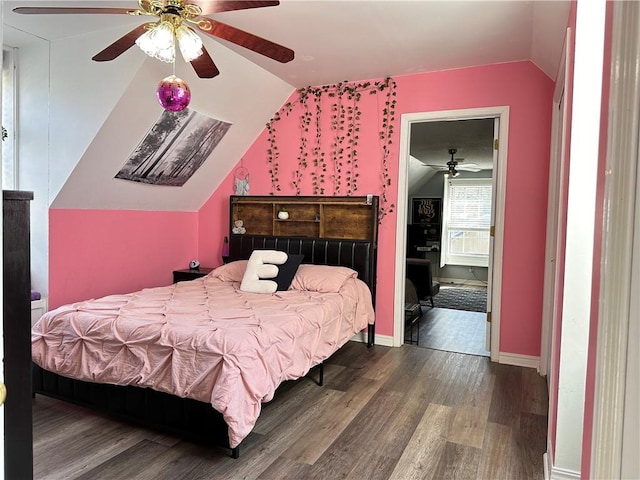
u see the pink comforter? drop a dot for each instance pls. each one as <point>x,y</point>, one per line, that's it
<point>203,339</point>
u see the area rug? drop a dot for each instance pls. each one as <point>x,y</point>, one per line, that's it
<point>471,299</point>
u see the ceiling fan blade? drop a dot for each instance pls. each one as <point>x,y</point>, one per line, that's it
<point>204,66</point>
<point>68,10</point>
<point>216,6</point>
<point>245,39</point>
<point>121,45</point>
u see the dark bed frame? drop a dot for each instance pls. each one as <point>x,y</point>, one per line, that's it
<point>191,418</point>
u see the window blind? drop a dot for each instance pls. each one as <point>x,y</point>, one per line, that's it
<point>470,205</point>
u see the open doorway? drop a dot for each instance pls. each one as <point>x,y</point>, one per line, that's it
<point>449,201</point>
<point>468,132</point>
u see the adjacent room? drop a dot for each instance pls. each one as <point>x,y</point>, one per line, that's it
<point>311,239</point>
<point>448,234</point>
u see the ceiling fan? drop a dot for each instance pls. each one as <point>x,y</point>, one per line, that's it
<point>177,20</point>
<point>453,166</point>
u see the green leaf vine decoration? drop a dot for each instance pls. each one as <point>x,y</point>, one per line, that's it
<point>337,150</point>
<point>386,140</point>
<point>273,154</point>
<point>345,117</point>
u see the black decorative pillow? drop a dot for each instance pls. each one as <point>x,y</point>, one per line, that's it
<point>287,271</point>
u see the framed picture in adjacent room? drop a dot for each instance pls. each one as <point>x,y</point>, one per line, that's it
<point>426,211</point>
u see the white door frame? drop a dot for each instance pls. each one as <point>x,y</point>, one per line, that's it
<point>615,439</point>
<point>500,174</point>
<point>556,211</point>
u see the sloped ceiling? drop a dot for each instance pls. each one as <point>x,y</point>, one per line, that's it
<point>232,98</point>
<point>99,122</point>
<point>431,141</point>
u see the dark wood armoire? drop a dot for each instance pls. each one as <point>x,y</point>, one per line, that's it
<point>18,430</point>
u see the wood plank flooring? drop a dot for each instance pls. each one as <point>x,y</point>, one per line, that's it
<point>385,413</point>
<point>451,330</point>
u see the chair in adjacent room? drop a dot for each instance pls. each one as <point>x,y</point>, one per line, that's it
<point>412,310</point>
<point>419,272</point>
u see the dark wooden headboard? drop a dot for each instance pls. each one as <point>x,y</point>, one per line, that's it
<point>358,255</point>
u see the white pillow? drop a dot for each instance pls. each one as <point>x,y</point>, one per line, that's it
<point>259,267</point>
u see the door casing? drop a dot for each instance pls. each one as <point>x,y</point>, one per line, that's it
<point>500,175</point>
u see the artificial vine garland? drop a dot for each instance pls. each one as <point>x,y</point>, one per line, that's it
<point>345,129</point>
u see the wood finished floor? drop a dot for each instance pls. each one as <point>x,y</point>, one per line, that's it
<point>385,413</point>
<point>452,330</point>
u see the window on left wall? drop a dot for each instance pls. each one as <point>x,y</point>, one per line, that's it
<point>9,118</point>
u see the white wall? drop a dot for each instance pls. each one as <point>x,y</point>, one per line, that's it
<point>32,141</point>
<point>82,95</point>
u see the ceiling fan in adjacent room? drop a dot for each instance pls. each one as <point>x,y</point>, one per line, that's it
<point>175,24</point>
<point>454,166</point>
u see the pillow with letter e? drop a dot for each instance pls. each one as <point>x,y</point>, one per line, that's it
<point>263,274</point>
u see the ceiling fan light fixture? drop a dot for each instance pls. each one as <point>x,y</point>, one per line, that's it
<point>158,40</point>
<point>190,44</point>
<point>452,164</point>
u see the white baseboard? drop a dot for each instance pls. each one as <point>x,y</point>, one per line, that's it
<point>459,281</point>
<point>562,474</point>
<point>519,360</point>
<point>384,340</point>
<point>554,473</point>
<point>546,465</point>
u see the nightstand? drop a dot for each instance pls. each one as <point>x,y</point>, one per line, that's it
<point>189,274</point>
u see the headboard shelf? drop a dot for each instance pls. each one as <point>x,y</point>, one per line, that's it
<point>341,217</point>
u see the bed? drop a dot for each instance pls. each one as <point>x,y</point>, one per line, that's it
<point>220,401</point>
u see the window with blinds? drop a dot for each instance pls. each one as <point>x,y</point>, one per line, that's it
<point>466,221</point>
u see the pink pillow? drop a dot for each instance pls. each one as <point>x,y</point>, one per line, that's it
<point>321,278</point>
<point>230,272</point>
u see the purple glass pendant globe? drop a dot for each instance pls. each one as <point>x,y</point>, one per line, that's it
<point>173,94</point>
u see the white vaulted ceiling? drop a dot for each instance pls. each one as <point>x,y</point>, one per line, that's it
<point>359,39</point>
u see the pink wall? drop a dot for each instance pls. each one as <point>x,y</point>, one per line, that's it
<point>93,253</point>
<point>528,93</point>
<point>135,249</point>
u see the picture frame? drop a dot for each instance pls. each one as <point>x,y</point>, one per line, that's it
<point>426,211</point>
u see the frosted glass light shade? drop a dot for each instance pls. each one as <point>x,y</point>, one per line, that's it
<point>190,44</point>
<point>159,42</point>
